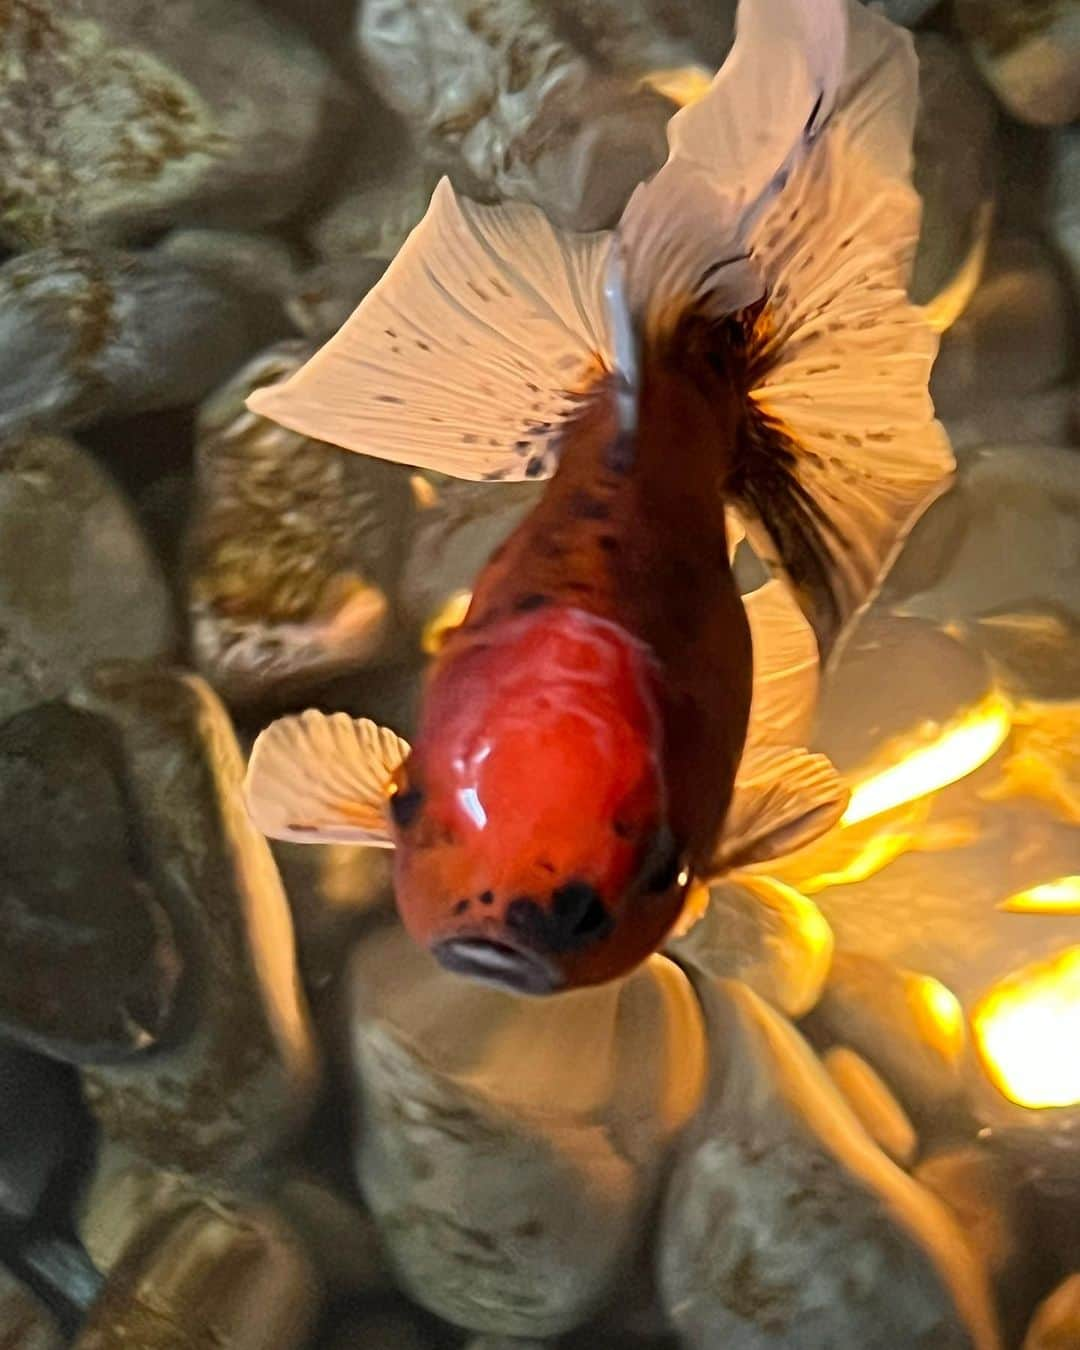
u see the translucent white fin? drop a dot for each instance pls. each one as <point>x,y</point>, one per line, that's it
<point>475,346</point>
<point>785,671</point>
<point>685,231</point>
<point>314,779</point>
<point>784,799</point>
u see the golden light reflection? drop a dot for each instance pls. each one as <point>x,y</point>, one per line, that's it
<point>960,749</point>
<point>1027,1030</point>
<point>1044,757</point>
<point>938,1014</point>
<point>954,297</point>
<point>1061,896</point>
<point>681,84</point>
<point>450,616</point>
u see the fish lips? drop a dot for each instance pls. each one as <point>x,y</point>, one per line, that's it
<point>499,964</point>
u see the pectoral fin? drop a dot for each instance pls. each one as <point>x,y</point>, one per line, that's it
<point>314,779</point>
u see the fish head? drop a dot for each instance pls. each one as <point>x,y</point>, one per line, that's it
<point>532,846</point>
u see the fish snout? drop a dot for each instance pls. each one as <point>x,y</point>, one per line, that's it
<point>490,962</point>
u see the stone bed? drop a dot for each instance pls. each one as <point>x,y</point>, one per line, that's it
<point>238,1109</point>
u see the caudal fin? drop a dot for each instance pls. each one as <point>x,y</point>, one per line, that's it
<point>787,197</point>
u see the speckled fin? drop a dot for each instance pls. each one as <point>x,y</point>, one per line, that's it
<point>788,183</point>
<point>784,799</point>
<point>475,346</point>
<point>314,779</point>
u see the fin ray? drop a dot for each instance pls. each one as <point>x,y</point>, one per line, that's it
<point>318,779</point>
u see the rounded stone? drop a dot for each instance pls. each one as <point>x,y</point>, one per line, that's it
<point>25,1323</point>
<point>78,583</point>
<point>874,1106</point>
<point>1029,54</point>
<point>1056,1324</point>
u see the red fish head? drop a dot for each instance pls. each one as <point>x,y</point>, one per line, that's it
<point>532,846</point>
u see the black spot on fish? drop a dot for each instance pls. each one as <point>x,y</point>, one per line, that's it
<point>580,587</point>
<point>528,602</point>
<point>534,468</point>
<point>619,456</point>
<point>404,807</point>
<point>486,897</point>
<point>461,907</point>
<point>623,829</point>
<point>546,866</point>
<point>608,543</point>
<point>388,398</point>
<point>577,918</point>
<point>523,447</point>
<point>586,507</point>
<point>661,865</point>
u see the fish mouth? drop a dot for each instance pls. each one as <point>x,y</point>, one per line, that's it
<point>499,965</point>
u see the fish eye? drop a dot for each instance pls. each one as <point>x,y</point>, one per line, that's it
<point>405,803</point>
<point>661,865</point>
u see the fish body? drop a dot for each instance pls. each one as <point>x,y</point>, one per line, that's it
<point>613,719</point>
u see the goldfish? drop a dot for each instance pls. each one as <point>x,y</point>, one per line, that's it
<point>737,361</point>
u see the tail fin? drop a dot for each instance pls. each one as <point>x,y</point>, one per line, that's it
<point>788,189</point>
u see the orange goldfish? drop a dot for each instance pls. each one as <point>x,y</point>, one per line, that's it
<point>613,719</point>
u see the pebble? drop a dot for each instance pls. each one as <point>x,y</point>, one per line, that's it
<point>38,1112</point>
<point>78,583</point>
<point>955,163</point>
<point>496,92</point>
<point>1014,338</point>
<point>1056,1324</point>
<point>207,1274</point>
<point>894,1020</point>
<point>25,1324</point>
<point>255,264</point>
<point>239,1075</point>
<point>785,1225</point>
<point>512,1182</point>
<point>89,966</point>
<point>292,548</point>
<point>89,334</point>
<point>766,934</point>
<point>1029,55</point>
<point>1004,539</point>
<point>873,1105</point>
<point>113,127</point>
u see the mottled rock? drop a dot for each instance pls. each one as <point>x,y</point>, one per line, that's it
<point>1029,54</point>
<point>293,545</point>
<point>91,334</point>
<point>900,1023</point>
<point>766,934</point>
<point>111,126</point>
<point>322,298</point>
<point>123,1195</point>
<point>78,583</point>
<point>1065,199</point>
<point>36,1114</point>
<point>25,1324</point>
<point>1056,1324</point>
<point>89,963</point>
<point>207,1274</point>
<point>458,527</point>
<point>239,1073</point>
<point>784,1224</point>
<point>954,163</point>
<point>497,91</point>
<point>1015,337</point>
<point>1005,538</point>
<point>873,1105</point>
<point>255,264</point>
<point>510,1179</point>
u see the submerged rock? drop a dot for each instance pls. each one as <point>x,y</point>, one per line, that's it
<point>89,963</point>
<point>1029,54</point>
<point>766,934</point>
<point>496,91</point>
<point>873,1105</point>
<point>510,1149</point>
<point>112,126</point>
<point>954,171</point>
<point>785,1225</point>
<point>292,547</point>
<point>254,264</point>
<point>325,296</point>
<point>1014,338</point>
<point>1065,199</point>
<point>78,583</point>
<point>207,1274</point>
<point>36,1100</point>
<point>1056,1324</point>
<point>25,1323</point>
<point>86,335</point>
<point>239,1072</point>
